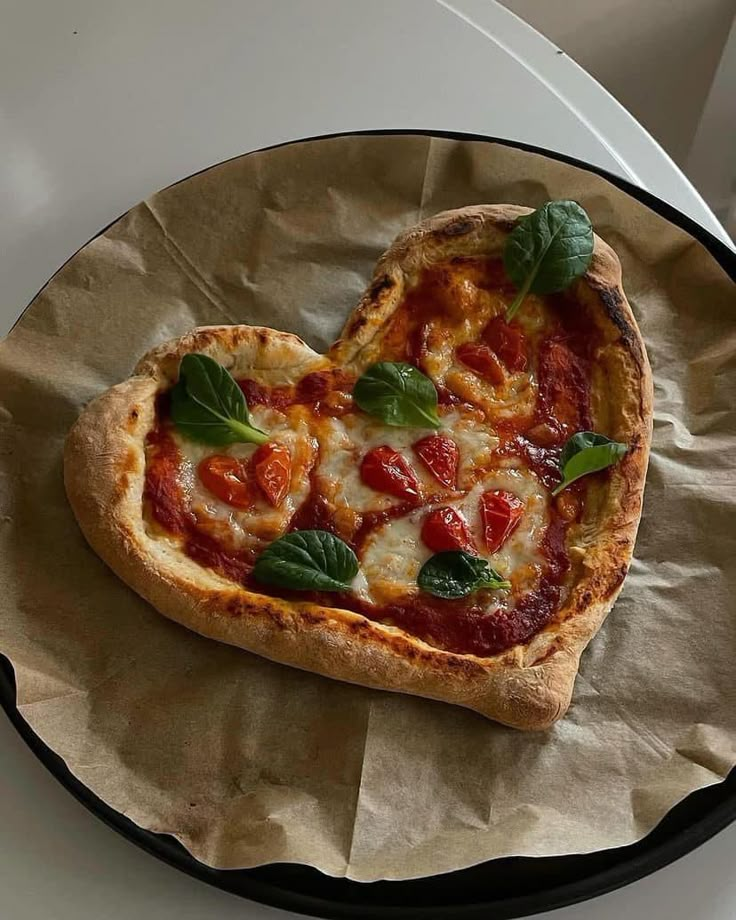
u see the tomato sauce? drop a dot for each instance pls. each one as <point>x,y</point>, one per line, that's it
<point>564,386</point>
<point>315,513</point>
<point>469,625</point>
<point>209,553</point>
<point>465,625</point>
<point>374,519</point>
<point>164,498</point>
<point>162,491</point>
<point>316,390</point>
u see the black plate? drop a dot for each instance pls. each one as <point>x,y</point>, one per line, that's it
<point>501,888</point>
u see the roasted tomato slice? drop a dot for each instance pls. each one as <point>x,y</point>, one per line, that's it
<point>507,341</point>
<point>228,478</point>
<point>441,456</point>
<point>272,465</point>
<point>500,512</point>
<point>482,360</point>
<point>385,470</point>
<point>445,529</point>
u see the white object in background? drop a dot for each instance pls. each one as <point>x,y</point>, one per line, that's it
<point>638,157</point>
<point>102,104</point>
<point>657,58</point>
<point>712,159</point>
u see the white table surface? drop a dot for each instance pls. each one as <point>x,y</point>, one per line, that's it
<point>102,104</point>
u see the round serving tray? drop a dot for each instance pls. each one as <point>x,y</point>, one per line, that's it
<point>501,888</point>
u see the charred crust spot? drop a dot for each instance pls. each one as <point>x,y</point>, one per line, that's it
<point>582,602</point>
<point>437,660</point>
<point>462,666</point>
<point>458,227</point>
<point>240,607</point>
<point>613,306</point>
<point>277,617</point>
<point>373,300</point>
<point>358,323</point>
<point>457,664</point>
<point>234,607</point>
<point>262,336</point>
<point>611,299</point>
<point>203,338</point>
<point>132,419</point>
<point>380,286</point>
<point>602,587</point>
<point>617,578</point>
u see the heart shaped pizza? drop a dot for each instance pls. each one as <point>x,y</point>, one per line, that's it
<point>444,504</point>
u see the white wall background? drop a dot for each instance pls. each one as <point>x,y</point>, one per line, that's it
<point>712,159</point>
<point>671,63</point>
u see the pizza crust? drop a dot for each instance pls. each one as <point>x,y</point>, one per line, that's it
<point>529,686</point>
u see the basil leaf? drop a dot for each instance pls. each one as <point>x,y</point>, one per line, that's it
<point>455,574</point>
<point>207,405</point>
<point>587,452</point>
<point>307,560</point>
<point>398,394</point>
<point>547,250</point>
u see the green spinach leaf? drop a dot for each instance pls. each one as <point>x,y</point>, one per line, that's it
<point>587,452</point>
<point>455,573</point>
<point>547,250</point>
<point>307,560</point>
<point>207,405</point>
<point>398,394</point>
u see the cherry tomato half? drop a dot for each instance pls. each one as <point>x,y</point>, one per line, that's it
<point>445,529</point>
<point>482,360</point>
<point>441,456</point>
<point>272,465</point>
<point>228,478</point>
<point>385,470</point>
<point>508,342</point>
<point>500,512</point>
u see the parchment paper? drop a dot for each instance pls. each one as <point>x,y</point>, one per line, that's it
<point>248,762</point>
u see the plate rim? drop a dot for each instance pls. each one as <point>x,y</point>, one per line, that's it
<point>651,857</point>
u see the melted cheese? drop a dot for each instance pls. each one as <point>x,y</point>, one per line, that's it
<point>327,453</point>
<point>516,396</point>
<point>395,552</point>
<point>345,441</point>
<point>236,528</point>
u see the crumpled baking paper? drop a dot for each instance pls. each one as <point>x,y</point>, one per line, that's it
<point>249,762</point>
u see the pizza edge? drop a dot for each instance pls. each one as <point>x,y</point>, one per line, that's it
<point>527,687</point>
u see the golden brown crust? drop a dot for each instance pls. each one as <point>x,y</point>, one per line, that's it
<point>528,686</point>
